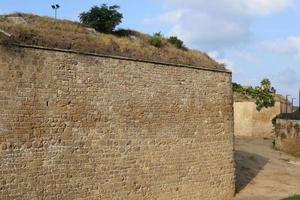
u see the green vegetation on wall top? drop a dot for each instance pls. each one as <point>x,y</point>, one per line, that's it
<point>103,19</point>
<point>263,94</point>
<point>296,197</point>
<point>156,39</point>
<point>177,42</point>
<point>64,34</point>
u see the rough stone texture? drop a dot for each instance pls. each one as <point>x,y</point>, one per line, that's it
<point>87,127</point>
<point>288,135</point>
<point>252,123</point>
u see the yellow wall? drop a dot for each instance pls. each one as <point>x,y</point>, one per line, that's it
<point>250,122</point>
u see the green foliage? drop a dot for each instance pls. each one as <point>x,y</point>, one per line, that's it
<point>177,42</point>
<point>264,98</point>
<point>238,88</point>
<point>124,32</point>
<point>296,197</point>
<point>156,39</point>
<point>266,84</point>
<point>103,19</point>
<point>263,95</point>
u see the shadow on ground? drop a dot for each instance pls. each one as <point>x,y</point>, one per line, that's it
<point>248,165</point>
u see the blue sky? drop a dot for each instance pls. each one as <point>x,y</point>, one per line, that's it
<point>256,38</point>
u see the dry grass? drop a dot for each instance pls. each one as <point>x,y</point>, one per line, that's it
<point>239,97</point>
<point>292,146</point>
<point>64,34</point>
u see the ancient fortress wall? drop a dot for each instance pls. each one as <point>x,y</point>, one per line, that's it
<point>76,126</point>
<point>250,122</point>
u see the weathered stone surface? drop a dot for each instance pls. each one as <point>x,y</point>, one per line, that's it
<point>84,127</point>
<point>288,135</point>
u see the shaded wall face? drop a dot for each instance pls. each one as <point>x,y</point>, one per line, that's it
<point>250,122</point>
<point>288,135</point>
<point>82,127</point>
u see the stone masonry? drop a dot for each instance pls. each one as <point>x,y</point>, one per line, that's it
<point>287,137</point>
<point>76,126</point>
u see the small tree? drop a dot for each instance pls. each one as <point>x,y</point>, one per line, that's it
<point>266,84</point>
<point>263,95</point>
<point>103,19</point>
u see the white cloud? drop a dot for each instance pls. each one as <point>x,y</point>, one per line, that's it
<point>221,59</point>
<point>287,81</point>
<point>215,23</point>
<point>265,7</point>
<point>203,29</point>
<point>287,77</point>
<point>170,17</point>
<point>248,7</point>
<point>290,45</point>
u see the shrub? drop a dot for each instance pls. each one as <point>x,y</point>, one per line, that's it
<point>263,95</point>
<point>264,98</point>
<point>156,40</point>
<point>266,84</point>
<point>124,32</point>
<point>177,42</point>
<point>238,88</point>
<point>102,19</point>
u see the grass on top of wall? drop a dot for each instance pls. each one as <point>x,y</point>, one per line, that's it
<point>296,197</point>
<point>64,34</point>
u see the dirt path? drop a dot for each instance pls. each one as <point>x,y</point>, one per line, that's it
<point>263,173</point>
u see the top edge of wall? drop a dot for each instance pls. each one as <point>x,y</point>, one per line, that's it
<point>121,58</point>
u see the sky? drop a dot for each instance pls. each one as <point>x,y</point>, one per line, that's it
<point>256,39</point>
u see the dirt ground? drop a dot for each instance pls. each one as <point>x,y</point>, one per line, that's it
<point>263,173</point>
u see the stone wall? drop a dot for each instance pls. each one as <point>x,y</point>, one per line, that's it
<point>288,135</point>
<point>74,126</point>
<point>252,123</point>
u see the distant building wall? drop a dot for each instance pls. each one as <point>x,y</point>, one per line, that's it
<point>250,122</point>
<point>76,126</point>
<point>284,109</point>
